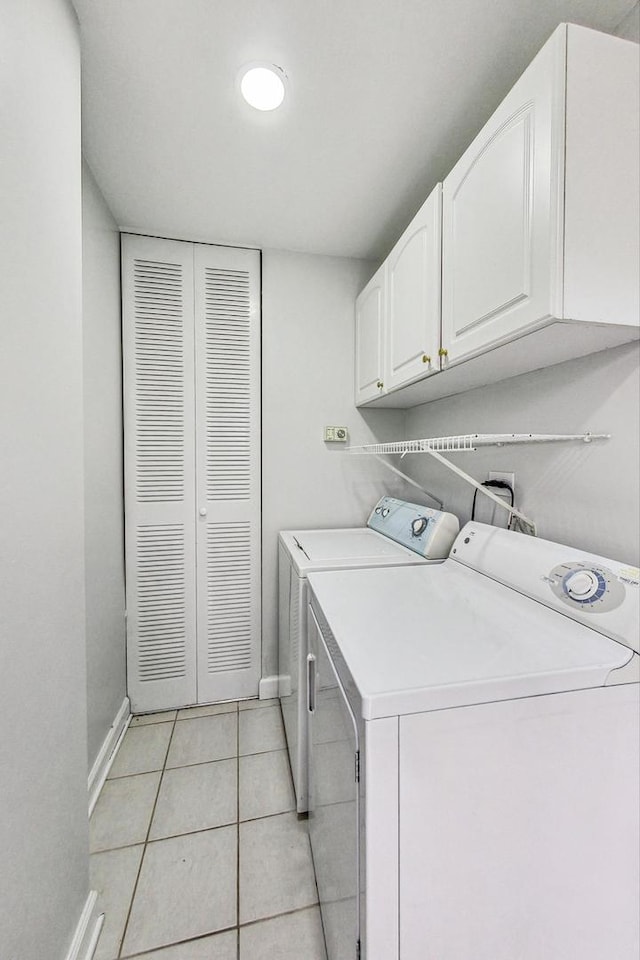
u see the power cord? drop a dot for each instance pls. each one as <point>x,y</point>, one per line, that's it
<point>498,485</point>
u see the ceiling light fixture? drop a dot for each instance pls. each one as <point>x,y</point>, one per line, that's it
<point>263,85</point>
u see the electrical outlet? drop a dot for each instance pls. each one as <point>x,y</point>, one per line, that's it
<point>491,513</point>
<point>335,434</point>
<point>509,478</point>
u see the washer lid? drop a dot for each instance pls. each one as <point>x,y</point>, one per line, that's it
<point>333,549</point>
<point>432,637</point>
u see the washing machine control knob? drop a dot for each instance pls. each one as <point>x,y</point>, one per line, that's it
<point>582,585</point>
<point>418,526</point>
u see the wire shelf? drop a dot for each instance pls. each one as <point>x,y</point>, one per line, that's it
<point>470,442</point>
<point>436,446</point>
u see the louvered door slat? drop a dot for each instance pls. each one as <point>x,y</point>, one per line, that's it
<point>228,417</point>
<point>192,443</point>
<point>229,597</point>
<point>159,471</point>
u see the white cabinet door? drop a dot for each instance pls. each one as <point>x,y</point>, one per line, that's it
<point>413,298</point>
<point>227,398</point>
<point>502,223</point>
<point>370,307</point>
<point>157,290</point>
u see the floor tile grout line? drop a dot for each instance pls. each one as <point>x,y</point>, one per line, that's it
<point>179,943</point>
<point>238,837</point>
<point>218,713</point>
<point>207,716</point>
<point>144,848</point>
<point>234,707</point>
<point>308,832</point>
<point>285,913</point>
<point>191,833</point>
<point>199,763</point>
<point>289,767</point>
<point>238,757</point>
<point>315,880</point>
<point>183,766</point>
<point>213,933</point>
<point>130,776</point>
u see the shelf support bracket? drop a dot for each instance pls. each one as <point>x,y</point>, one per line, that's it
<point>412,482</point>
<point>526,525</point>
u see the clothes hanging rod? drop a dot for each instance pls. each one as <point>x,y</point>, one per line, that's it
<point>469,442</point>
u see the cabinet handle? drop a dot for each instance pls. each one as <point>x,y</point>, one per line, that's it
<point>379,384</point>
<point>442,352</point>
<point>425,358</point>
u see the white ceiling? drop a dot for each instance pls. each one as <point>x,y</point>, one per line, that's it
<point>384,97</point>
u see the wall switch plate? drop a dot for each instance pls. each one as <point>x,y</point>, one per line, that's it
<point>335,434</point>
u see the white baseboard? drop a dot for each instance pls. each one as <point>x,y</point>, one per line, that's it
<point>85,939</point>
<point>268,688</point>
<point>107,752</point>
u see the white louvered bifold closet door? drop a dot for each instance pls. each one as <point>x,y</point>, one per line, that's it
<point>191,338</point>
<point>157,290</point>
<point>227,339</point>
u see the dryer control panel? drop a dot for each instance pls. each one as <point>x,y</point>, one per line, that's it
<point>587,585</point>
<point>424,530</point>
<point>601,593</point>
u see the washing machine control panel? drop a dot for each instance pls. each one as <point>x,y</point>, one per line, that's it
<point>424,530</point>
<point>592,588</point>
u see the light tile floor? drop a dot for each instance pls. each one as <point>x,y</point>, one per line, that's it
<point>197,852</point>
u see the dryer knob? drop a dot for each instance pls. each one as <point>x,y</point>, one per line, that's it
<point>582,585</point>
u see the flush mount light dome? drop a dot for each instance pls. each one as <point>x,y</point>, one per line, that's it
<point>263,85</point>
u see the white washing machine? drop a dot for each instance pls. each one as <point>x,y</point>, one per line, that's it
<point>475,755</point>
<point>398,533</point>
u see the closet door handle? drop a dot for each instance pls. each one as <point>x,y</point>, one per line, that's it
<point>311,683</point>
<point>202,511</point>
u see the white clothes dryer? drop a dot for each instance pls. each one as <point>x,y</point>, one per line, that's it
<point>475,750</point>
<point>398,533</point>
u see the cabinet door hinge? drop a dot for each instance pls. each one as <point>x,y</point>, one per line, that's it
<point>358,950</point>
<point>357,766</point>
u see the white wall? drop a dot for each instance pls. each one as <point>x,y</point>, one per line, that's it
<point>43,747</point>
<point>629,28</point>
<point>104,507</point>
<point>585,495</point>
<point>307,383</point>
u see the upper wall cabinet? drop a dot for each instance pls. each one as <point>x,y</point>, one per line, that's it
<point>398,312</point>
<point>536,214</point>
<point>370,308</point>
<point>412,326</point>
<point>540,225</point>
